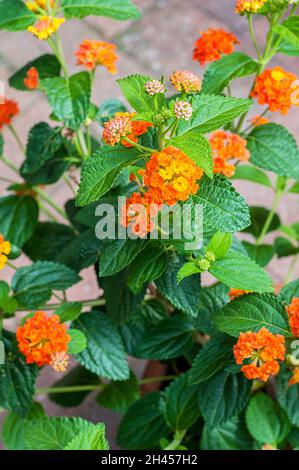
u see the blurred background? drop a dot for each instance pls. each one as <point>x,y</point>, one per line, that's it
<point>160,42</point>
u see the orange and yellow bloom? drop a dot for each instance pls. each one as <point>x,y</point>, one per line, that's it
<point>234,293</point>
<point>249,6</point>
<point>92,53</point>
<point>212,44</point>
<point>171,176</point>
<point>5,249</point>
<point>37,5</point>
<point>259,353</point>
<point>122,126</point>
<point>32,79</point>
<point>293,313</point>
<point>257,121</point>
<point>295,377</point>
<point>8,110</point>
<point>138,213</point>
<point>45,27</point>
<point>41,338</point>
<point>276,87</point>
<point>227,147</point>
<point>186,82</point>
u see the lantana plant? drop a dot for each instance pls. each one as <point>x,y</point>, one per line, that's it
<point>154,210</point>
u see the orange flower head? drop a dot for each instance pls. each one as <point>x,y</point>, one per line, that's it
<point>171,176</point>
<point>257,121</point>
<point>261,352</point>
<point>295,377</point>
<point>276,88</point>
<point>92,53</point>
<point>234,293</point>
<point>36,5</point>
<point>138,214</point>
<point>185,81</point>
<point>41,337</point>
<point>60,361</point>
<point>45,27</point>
<point>212,44</point>
<point>226,147</point>
<point>293,313</point>
<point>5,249</point>
<point>8,109</point>
<point>249,6</point>
<point>122,126</point>
<point>32,80</point>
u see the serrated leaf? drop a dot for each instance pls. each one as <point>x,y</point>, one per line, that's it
<point>119,396</point>
<point>69,311</point>
<point>289,30</point>
<point>47,66</point>
<point>105,354</point>
<point>147,267</point>
<point>250,173</point>
<point>219,244</point>
<point>232,435</point>
<point>78,341</point>
<point>133,90</point>
<point>117,9</point>
<point>118,254</point>
<point>289,291</point>
<point>196,147</point>
<point>15,16</point>
<point>252,312</point>
<point>82,252</point>
<point>13,427</point>
<point>89,439</point>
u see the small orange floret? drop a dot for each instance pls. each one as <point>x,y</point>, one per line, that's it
<point>45,27</point>
<point>138,213</point>
<point>257,121</point>
<point>122,126</point>
<point>186,82</point>
<point>295,377</point>
<point>171,176</point>
<point>261,352</point>
<point>293,313</point>
<point>276,88</point>
<point>32,80</point>
<point>8,110</point>
<point>226,147</point>
<point>92,53</point>
<point>41,337</point>
<point>234,293</point>
<point>249,6</point>
<point>212,44</point>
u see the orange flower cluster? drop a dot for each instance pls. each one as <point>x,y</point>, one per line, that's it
<point>8,110</point>
<point>41,337</point>
<point>45,27</point>
<point>186,82</point>
<point>122,125</point>
<point>295,377</point>
<point>234,293</point>
<point>249,6</point>
<point>171,176</point>
<point>293,313</point>
<point>138,213</point>
<point>5,249</point>
<point>257,121</point>
<point>276,88</point>
<point>35,5</point>
<point>32,79</point>
<point>227,147</point>
<point>92,53</point>
<point>212,44</point>
<point>262,350</point>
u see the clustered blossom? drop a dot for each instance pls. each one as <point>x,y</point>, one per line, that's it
<point>5,249</point>
<point>138,214</point>
<point>32,79</point>
<point>234,293</point>
<point>261,352</point>
<point>45,27</point>
<point>60,361</point>
<point>122,126</point>
<point>171,176</point>
<point>212,44</point>
<point>8,110</point>
<point>249,6</point>
<point>275,87</point>
<point>186,82</point>
<point>154,87</point>
<point>226,147</point>
<point>257,121</point>
<point>182,110</point>
<point>92,53</point>
<point>293,313</point>
<point>41,338</point>
<point>36,5</point>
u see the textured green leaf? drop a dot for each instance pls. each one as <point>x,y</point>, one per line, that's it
<point>69,311</point>
<point>90,439</point>
<point>118,254</point>
<point>133,90</point>
<point>47,66</point>
<point>8,305</point>
<point>219,244</point>
<point>289,291</point>
<point>78,341</point>
<point>119,396</point>
<point>116,9</point>
<point>196,147</point>
<point>232,435</point>
<point>289,30</point>
<point>15,16</point>
<point>261,254</point>
<point>250,173</point>
<point>82,252</point>
<point>13,427</point>
<point>147,267</point>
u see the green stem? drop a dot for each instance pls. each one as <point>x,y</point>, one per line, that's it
<point>47,212</point>
<point>17,138</point>
<point>54,306</point>
<point>291,270</point>
<point>9,164</point>
<point>82,143</point>
<point>51,202</point>
<point>178,437</point>
<point>12,266</point>
<point>278,195</point>
<point>138,146</point>
<point>69,184</point>
<point>253,37</point>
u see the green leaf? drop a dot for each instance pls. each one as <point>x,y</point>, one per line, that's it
<point>284,247</point>
<point>69,98</point>
<point>133,90</point>
<point>223,208</point>
<point>289,30</point>
<point>273,148</point>
<point>250,173</point>
<point>13,427</point>
<point>232,435</point>
<point>221,72</point>
<point>116,9</point>
<point>91,439</point>
<point>222,397</point>
<point>78,341</point>
<point>213,357</point>
<point>196,147</point>
<point>147,267</point>
<point>118,254</point>
<point>169,339</point>
<point>143,425</point>
<point>219,244</point>
<point>69,311</point>
<point>17,379</point>
<point>108,109</point>
<point>119,396</point>
<point>288,396</point>
<point>261,254</point>
<point>258,216</point>
<point>179,404</point>
<point>266,421</point>
<point>212,299</point>
<point>18,218</point>
<point>33,284</point>
<point>82,252</point>
<point>47,66</point>
<point>15,16</point>
<point>100,171</point>
<point>252,312</point>
<point>254,278</point>
<point>289,291</point>
<point>188,269</point>
<point>211,112</point>
<point>8,305</point>
<point>105,353</point>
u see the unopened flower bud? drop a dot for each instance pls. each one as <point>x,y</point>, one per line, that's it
<point>154,87</point>
<point>210,256</point>
<point>158,118</point>
<point>182,110</point>
<point>204,264</point>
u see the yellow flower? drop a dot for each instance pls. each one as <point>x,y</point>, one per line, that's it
<point>5,249</point>
<point>45,27</point>
<point>36,5</point>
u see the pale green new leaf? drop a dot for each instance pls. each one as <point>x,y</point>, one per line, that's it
<point>133,90</point>
<point>116,9</point>
<point>15,16</point>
